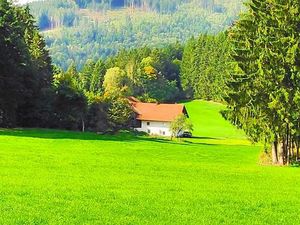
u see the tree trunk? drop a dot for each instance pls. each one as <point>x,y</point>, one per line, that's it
<point>292,149</point>
<point>287,153</point>
<point>297,153</point>
<point>280,148</point>
<point>83,125</point>
<point>288,141</point>
<point>274,153</point>
<point>284,151</point>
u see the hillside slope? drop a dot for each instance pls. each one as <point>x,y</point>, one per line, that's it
<point>78,31</point>
<point>208,121</point>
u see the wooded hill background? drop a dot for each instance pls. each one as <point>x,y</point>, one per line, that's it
<point>91,29</point>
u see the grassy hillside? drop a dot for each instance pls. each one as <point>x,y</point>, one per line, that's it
<point>209,123</point>
<point>58,177</point>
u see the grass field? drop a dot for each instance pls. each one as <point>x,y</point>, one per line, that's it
<point>57,177</point>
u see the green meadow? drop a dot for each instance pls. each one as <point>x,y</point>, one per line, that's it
<point>60,177</point>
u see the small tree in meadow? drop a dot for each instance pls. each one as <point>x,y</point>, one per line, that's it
<point>181,123</point>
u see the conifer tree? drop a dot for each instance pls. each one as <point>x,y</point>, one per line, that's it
<point>264,86</point>
<point>203,67</point>
<point>97,77</point>
<point>14,61</point>
<point>38,71</point>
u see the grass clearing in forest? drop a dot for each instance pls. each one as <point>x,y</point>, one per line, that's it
<point>60,177</point>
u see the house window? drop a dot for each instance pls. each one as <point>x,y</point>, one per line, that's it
<point>149,131</point>
<point>148,123</point>
<point>164,133</point>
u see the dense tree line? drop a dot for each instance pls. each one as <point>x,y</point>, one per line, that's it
<point>80,102</point>
<point>264,96</point>
<point>162,6</point>
<point>153,74</point>
<point>75,32</point>
<point>25,68</point>
<point>34,94</point>
<point>158,5</point>
<point>204,67</point>
<point>194,70</point>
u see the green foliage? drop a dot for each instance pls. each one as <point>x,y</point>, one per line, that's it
<point>25,68</point>
<point>93,29</point>
<point>180,124</point>
<point>164,6</point>
<point>97,116</point>
<point>119,112</point>
<point>149,74</point>
<point>116,82</point>
<point>264,83</point>
<point>204,65</point>
<point>158,74</point>
<point>161,89</point>
<point>97,77</point>
<point>70,104</point>
<point>80,103</point>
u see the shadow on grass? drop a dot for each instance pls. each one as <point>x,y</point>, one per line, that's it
<point>204,138</point>
<point>198,143</point>
<point>179,142</point>
<point>62,134</point>
<point>184,141</point>
<point>123,136</point>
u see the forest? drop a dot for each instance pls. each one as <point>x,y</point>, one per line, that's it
<point>42,95</point>
<point>36,93</point>
<point>81,30</point>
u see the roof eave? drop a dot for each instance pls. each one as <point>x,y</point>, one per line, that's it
<point>154,120</point>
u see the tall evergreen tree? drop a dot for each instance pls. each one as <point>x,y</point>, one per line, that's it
<point>264,85</point>
<point>38,72</point>
<point>97,77</point>
<point>25,68</point>
<point>14,61</point>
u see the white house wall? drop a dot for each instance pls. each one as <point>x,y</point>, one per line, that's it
<point>156,128</point>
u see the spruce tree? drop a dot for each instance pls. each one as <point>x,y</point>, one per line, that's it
<point>38,72</point>
<point>14,59</point>
<point>264,85</point>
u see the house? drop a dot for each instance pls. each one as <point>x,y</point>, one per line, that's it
<point>154,118</point>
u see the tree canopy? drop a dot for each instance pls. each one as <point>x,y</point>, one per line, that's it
<point>93,29</point>
<point>264,86</point>
<point>180,124</point>
<point>25,67</point>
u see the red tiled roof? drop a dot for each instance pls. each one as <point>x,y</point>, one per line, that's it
<point>158,112</point>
